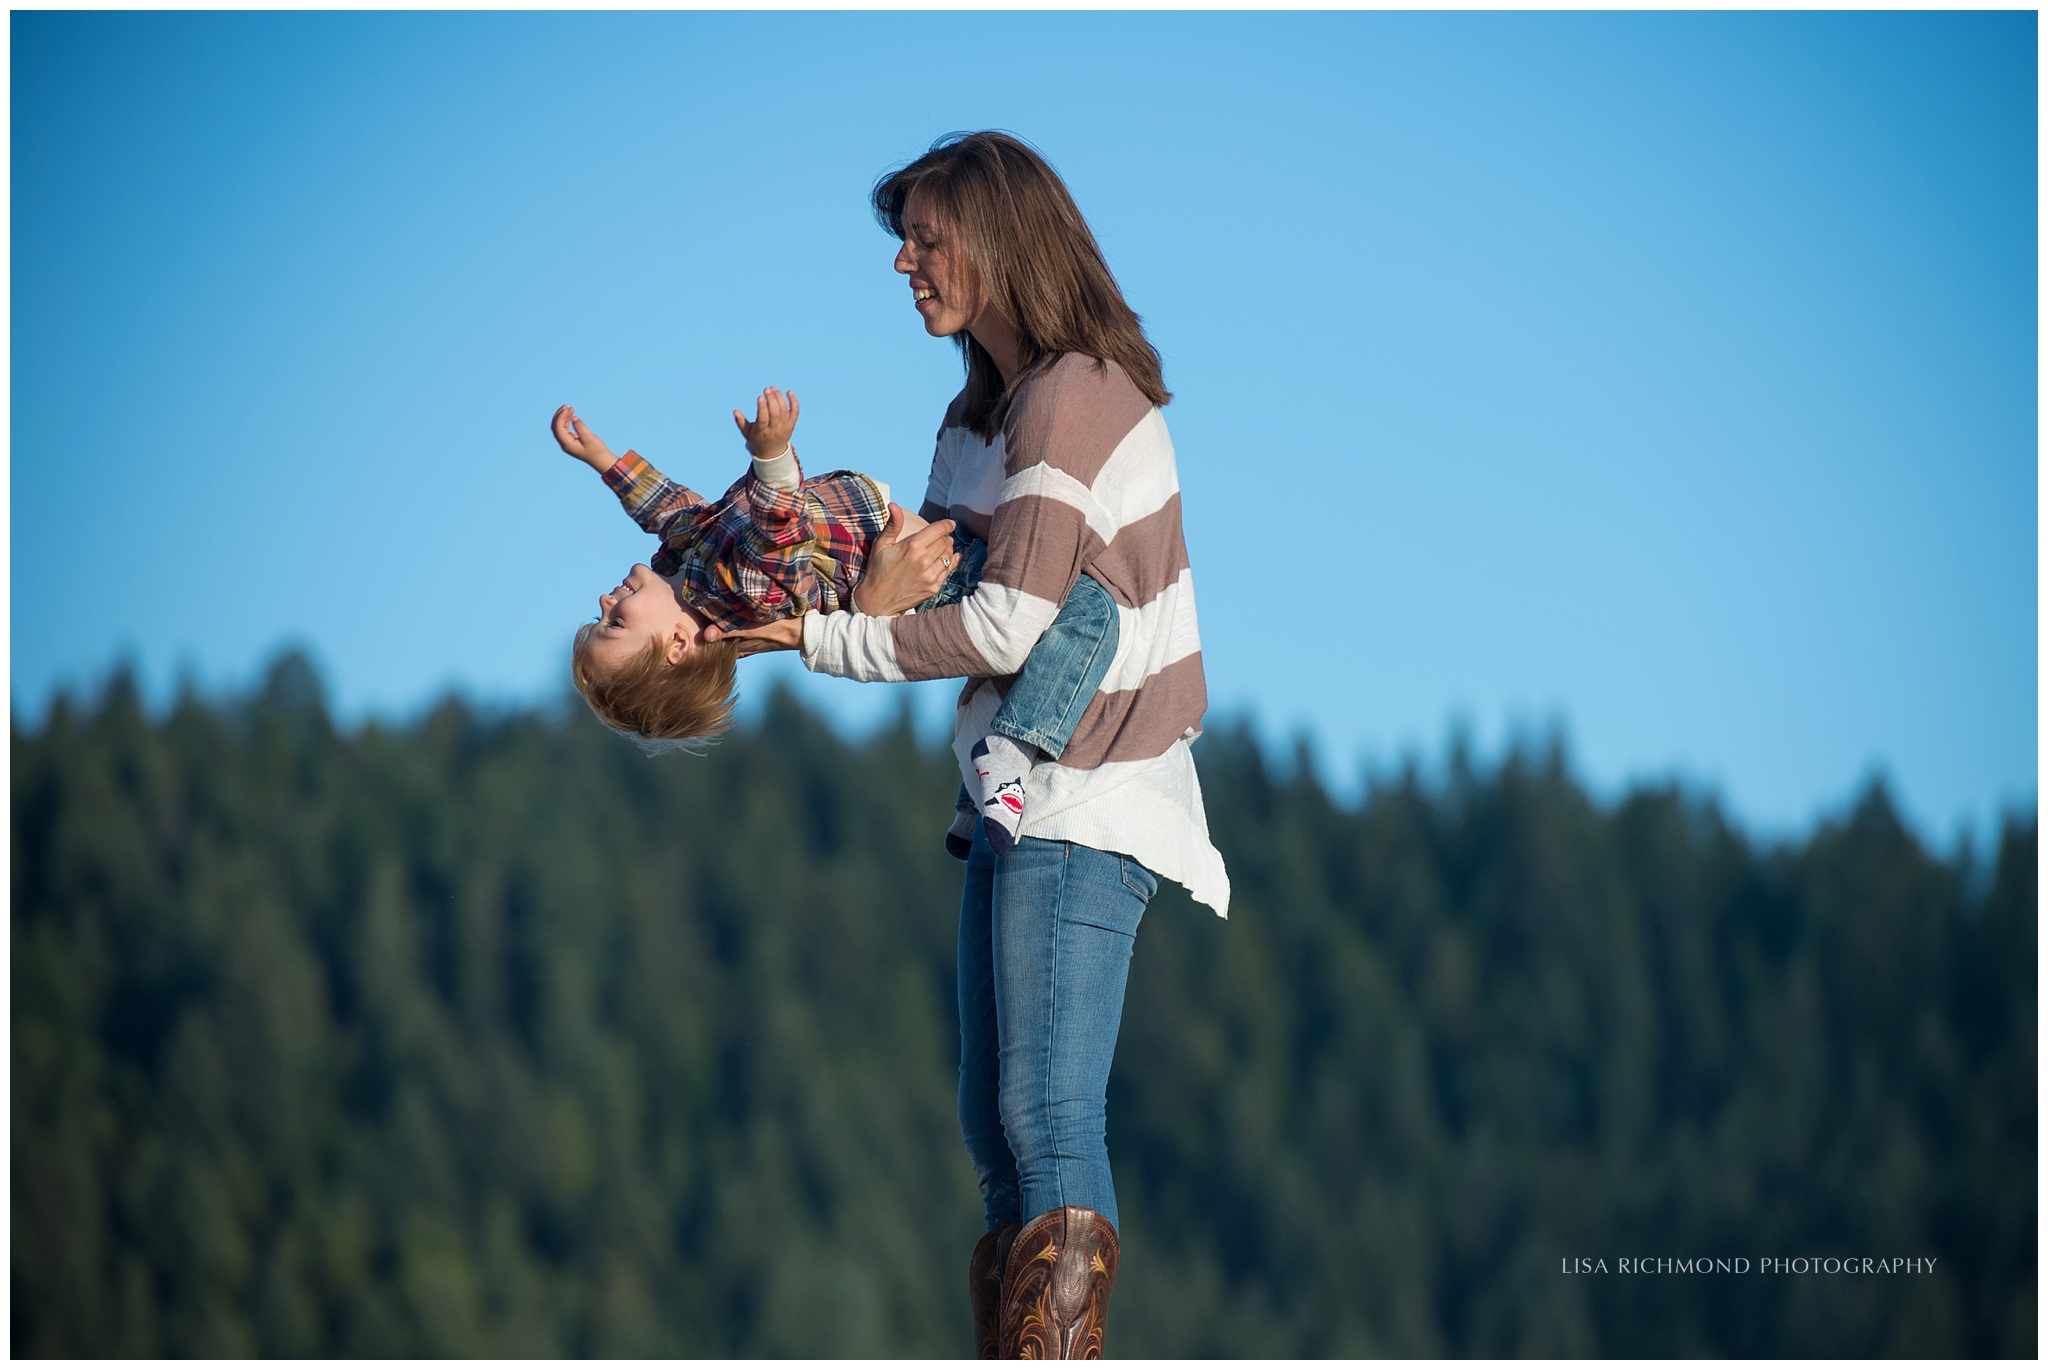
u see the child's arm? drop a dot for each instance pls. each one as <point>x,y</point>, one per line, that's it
<point>775,500</point>
<point>768,438</point>
<point>774,422</point>
<point>579,442</point>
<point>651,499</point>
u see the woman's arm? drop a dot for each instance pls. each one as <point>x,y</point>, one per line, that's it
<point>1049,522</point>
<point>904,569</point>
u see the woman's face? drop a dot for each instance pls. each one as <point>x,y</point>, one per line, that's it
<point>942,284</point>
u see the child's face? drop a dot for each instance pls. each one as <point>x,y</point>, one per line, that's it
<point>643,608</point>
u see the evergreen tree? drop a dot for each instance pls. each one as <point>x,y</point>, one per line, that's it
<point>487,1035</point>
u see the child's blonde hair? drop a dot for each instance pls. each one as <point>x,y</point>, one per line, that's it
<point>656,699</point>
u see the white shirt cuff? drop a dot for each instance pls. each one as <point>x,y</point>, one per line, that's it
<point>851,645</point>
<point>781,472</point>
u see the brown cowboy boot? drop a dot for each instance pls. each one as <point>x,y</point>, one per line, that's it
<point>1056,1286</point>
<point>985,1288</point>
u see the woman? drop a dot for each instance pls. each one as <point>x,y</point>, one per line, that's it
<point>1055,452</point>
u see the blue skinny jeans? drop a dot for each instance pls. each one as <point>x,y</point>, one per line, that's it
<point>1045,948</point>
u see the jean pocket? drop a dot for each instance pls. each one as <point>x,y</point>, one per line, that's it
<point>1140,881</point>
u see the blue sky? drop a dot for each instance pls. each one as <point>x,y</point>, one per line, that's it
<point>1668,377</point>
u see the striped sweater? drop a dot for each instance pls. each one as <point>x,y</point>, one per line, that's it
<point>1081,478</point>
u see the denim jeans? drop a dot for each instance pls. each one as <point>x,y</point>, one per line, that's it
<point>1045,945</point>
<point>1066,665</point>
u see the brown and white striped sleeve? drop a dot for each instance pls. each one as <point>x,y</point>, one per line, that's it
<point>1069,486</point>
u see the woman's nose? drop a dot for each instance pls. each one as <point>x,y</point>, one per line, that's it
<point>903,262</point>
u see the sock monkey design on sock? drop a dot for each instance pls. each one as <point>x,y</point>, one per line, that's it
<point>1001,765</point>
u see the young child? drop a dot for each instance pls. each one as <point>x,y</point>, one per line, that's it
<point>774,546</point>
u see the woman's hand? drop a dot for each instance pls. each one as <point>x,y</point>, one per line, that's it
<point>904,572</point>
<point>783,635</point>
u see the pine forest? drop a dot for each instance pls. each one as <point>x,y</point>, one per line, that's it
<point>485,1034</point>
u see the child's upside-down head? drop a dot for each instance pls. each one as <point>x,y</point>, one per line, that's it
<point>644,667</point>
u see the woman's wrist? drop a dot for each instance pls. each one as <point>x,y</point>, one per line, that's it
<point>873,606</point>
<point>850,645</point>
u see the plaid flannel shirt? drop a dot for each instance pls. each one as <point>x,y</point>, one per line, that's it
<point>756,553</point>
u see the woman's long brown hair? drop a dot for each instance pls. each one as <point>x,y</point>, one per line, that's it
<point>1034,255</point>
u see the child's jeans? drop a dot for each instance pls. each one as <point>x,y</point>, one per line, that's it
<point>1066,665</point>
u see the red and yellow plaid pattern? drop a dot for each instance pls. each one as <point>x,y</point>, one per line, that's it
<point>756,553</point>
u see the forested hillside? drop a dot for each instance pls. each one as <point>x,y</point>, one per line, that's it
<point>488,1035</point>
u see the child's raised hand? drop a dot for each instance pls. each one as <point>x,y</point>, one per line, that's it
<point>774,422</point>
<point>579,442</point>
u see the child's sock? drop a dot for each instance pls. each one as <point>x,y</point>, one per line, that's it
<point>1002,763</point>
<point>960,837</point>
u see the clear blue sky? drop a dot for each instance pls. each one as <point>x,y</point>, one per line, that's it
<point>1671,377</point>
